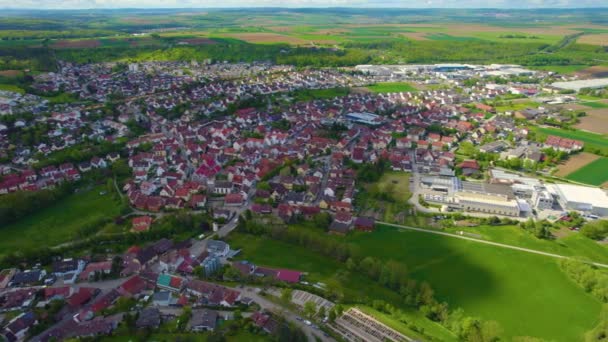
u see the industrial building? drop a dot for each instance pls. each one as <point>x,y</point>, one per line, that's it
<point>593,201</point>
<point>582,84</point>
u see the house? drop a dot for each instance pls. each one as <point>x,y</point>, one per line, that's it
<point>288,276</point>
<point>18,327</point>
<point>96,268</point>
<point>141,224</point>
<point>265,321</point>
<point>26,278</point>
<point>234,200</point>
<point>68,269</point>
<point>133,287</point>
<point>163,298</point>
<point>170,282</point>
<point>149,318</point>
<point>203,320</point>
<point>365,224</point>
<point>469,167</point>
<point>218,248</point>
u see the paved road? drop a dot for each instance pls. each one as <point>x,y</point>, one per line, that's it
<point>502,245</point>
<point>311,333</point>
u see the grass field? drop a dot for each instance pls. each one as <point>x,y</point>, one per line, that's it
<point>595,104</point>
<point>313,94</point>
<point>267,252</point>
<point>60,222</point>
<point>591,140</point>
<point>527,294</point>
<point>391,87</point>
<point>575,245</point>
<point>394,184</point>
<point>13,88</point>
<point>574,163</point>
<point>594,173</point>
<point>562,69</point>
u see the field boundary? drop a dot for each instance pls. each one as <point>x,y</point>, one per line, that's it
<point>496,244</point>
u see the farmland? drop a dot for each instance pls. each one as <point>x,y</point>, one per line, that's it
<point>59,223</point>
<point>594,173</point>
<point>595,121</point>
<point>391,87</point>
<point>574,163</point>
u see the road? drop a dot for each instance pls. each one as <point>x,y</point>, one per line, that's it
<point>312,333</point>
<point>496,244</point>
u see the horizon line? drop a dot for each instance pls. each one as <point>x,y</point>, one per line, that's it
<point>293,7</point>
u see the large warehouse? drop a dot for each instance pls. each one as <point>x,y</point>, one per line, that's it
<point>575,197</point>
<point>581,84</point>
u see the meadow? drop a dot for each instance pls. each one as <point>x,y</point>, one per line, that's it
<point>594,173</point>
<point>391,87</point>
<point>59,223</point>
<point>484,280</point>
<point>528,295</point>
<point>595,104</point>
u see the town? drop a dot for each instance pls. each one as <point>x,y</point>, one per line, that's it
<point>241,146</point>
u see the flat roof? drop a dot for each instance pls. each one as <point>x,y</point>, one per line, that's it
<point>578,85</point>
<point>597,197</point>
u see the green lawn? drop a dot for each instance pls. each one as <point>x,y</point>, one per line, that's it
<point>562,69</point>
<point>59,223</point>
<point>314,94</point>
<point>527,294</point>
<point>594,173</point>
<point>596,105</point>
<point>573,245</point>
<point>592,141</point>
<point>11,87</point>
<point>391,87</point>
<point>272,253</point>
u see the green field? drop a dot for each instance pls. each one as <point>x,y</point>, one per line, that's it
<point>314,94</point>
<point>562,69</point>
<point>13,88</point>
<point>592,141</point>
<point>594,173</point>
<point>595,104</point>
<point>527,294</point>
<point>58,223</point>
<point>271,253</point>
<point>575,244</point>
<point>391,87</point>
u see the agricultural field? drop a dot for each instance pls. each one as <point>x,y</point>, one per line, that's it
<point>595,104</point>
<point>574,163</point>
<point>467,275</point>
<point>592,141</point>
<point>597,71</point>
<point>312,94</point>
<point>391,87</point>
<point>560,69</point>
<point>59,223</point>
<point>595,121</point>
<point>594,173</point>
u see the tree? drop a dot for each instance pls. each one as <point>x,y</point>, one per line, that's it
<point>321,313</point>
<point>310,309</point>
<point>596,230</point>
<point>286,295</point>
<point>332,315</point>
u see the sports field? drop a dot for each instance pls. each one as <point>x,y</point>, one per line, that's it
<point>594,173</point>
<point>391,87</point>
<point>59,223</point>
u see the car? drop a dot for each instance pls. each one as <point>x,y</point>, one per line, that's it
<point>299,318</point>
<point>307,322</point>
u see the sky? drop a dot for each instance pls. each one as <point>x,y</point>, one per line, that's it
<point>86,4</point>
